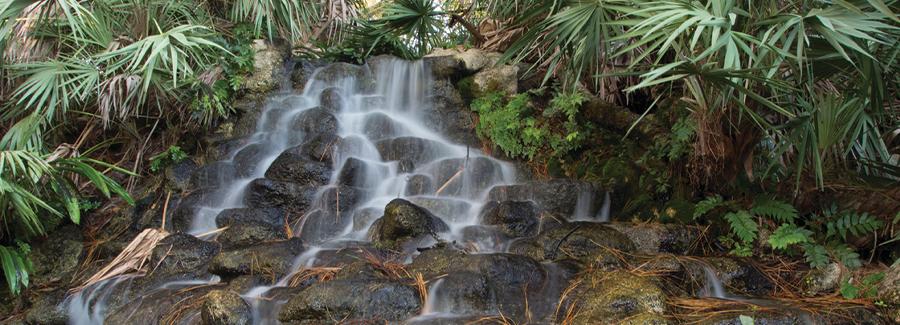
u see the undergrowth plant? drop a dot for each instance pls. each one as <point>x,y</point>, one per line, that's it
<point>523,130</point>
<point>821,237</point>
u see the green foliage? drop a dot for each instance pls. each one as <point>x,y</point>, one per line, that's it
<point>787,235</point>
<point>777,210</point>
<point>16,266</point>
<point>516,126</point>
<point>742,225</point>
<point>171,156</point>
<point>816,255</point>
<point>289,19</point>
<point>746,320</point>
<point>706,205</point>
<point>852,223</point>
<point>867,288</point>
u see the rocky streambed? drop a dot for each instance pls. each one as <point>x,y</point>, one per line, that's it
<point>360,195</point>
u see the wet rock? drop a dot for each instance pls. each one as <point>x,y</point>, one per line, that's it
<point>363,218</point>
<point>513,218</point>
<point>447,209</point>
<point>222,307</point>
<point>352,301</point>
<point>653,238</point>
<point>404,222</point>
<point>271,260</point>
<point>612,297</point>
<point>461,175</point>
<point>824,280</point>
<point>178,176</point>
<point>213,175</point>
<point>180,212</point>
<point>247,159</point>
<point>267,63</point>
<point>56,258</point>
<point>47,308</point>
<point>355,172</point>
<point>558,196</point>
<point>379,126</point>
<point>331,99</point>
<point>419,185</point>
<point>251,226</point>
<point>294,166</point>
<point>417,150</point>
<point>587,243</point>
<point>320,148</point>
<point>738,276</point>
<point>332,215</point>
<point>180,257</point>
<point>488,283</point>
<point>450,115</point>
<point>338,72</point>
<point>179,305</point>
<point>314,121</point>
<point>303,70</point>
<point>266,193</point>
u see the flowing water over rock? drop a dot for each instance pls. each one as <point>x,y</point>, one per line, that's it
<point>347,203</point>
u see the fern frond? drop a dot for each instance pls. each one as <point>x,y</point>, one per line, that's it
<point>853,223</point>
<point>787,235</point>
<point>707,204</point>
<point>816,255</point>
<point>775,209</point>
<point>742,225</point>
<point>847,256</point>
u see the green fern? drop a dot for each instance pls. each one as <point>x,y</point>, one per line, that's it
<point>816,255</point>
<point>743,225</point>
<point>847,256</point>
<point>775,209</point>
<point>789,234</point>
<point>707,204</point>
<point>853,223</point>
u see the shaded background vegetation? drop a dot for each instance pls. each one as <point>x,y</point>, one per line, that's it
<point>773,120</point>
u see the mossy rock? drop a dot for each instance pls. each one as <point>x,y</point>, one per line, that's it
<point>618,296</point>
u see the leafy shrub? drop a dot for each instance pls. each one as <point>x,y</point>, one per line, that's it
<point>821,237</point>
<point>171,156</point>
<point>522,130</point>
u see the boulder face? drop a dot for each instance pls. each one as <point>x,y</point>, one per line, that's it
<point>559,197</point>
<point>616,297</point>
<point>513,218</point>
<point>267,62</point>
<point>248,227</point>
<point>404,222</point>
<point>221,307</point>
<point>590,244</point>
<point>353,301</point>
<point>271,259</point>
<point>295,166</point>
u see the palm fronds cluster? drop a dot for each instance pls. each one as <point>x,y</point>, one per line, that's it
<point>93,74</point>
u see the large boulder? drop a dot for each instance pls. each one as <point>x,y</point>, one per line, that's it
<point>272,259</point>
<point>213,175</point>
<point>294,166</point>
<point>164,305</point>
<point>417,150</point>
<point>405,223</point>
<point>267,193</point>
<point>221,307</point>
<point>484,284</point>
<point>363,174</point>
<point>180,257</point>
<point>345,74</point>
<point>378,126</point>
<point>560,197</point>
<point>267,64</point>
<point>47,308</point>
<point>56,258</point>
<point>616,297</point>
<point>247,226</point>
<point>889,292</point>
<point>654,238</point>
<point>331,99</point>
<point>737,276</point>
<point>465,176</point>
<point>313,122</point>
<point>503,78</point>
<point>353,301</point>
<point>590,244</point>
<point>178,175</point>
<point>247,160</point>
<point>331,214</point>
<point>513,218</point>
